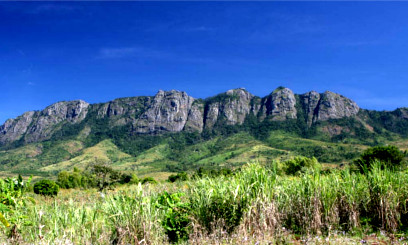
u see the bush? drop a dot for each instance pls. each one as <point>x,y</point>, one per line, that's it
<point>217,205</point>
<point>105,175</point>
<point>134,179</point>
<point>176,218</point>
<point>178,177</point>
<point>150,180</point>
<point>46,188</point>
<point>389,156</point>
<point>300,164</point>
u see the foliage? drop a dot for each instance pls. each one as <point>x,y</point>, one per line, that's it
<point>134,179</point>
<point>105,176</point>
<point>301,165</point>
<point>182,176</point>
<point>206,172</point>
<point>384,121</point>
<point>176,216</point>
<point>97,176</point>
<point>12,195</point>
<point>76,179</point>
<point>389,156</point>
<point>46,188</point>
<point>150,180</point>
<point>216,205</point>
<point>255,200</point>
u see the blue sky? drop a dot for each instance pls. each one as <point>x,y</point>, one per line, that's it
<point>99,51</point>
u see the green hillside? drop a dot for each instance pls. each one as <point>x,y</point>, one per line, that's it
<point>172,132</point>
<point>162,155</point>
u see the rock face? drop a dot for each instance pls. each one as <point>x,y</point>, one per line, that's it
<point>310,102</point>
<point>14,129</point>
<point>123,111</point>
<point>329,105</point>
<point>280,105</point>
<point>232,107</point>
<point>175,111</point>
<point>335,106</point>
<point>167,113</point>
<point>124,106</point>
<point>195,119</point>
<point>61,112</point>
<point>402,113</point>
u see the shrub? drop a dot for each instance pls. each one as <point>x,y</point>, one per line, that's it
<point>228,210</point>
<point>46,188</point>
<point>105,176</point>
<point>178,177</point>
<point>176,218</point>
<point>134,179</point>
<point>300,164</point>
<point>216,204</point>
<point>389,156</point>
<point>150,180</point>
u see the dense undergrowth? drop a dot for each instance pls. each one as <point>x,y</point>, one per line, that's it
<point>258,203</point>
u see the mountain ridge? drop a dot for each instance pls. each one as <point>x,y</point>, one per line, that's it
<point>176,111</point>
<point>172,132</point>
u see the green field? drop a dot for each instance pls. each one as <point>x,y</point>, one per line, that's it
<point>46,159</point>
<point>258,205</point>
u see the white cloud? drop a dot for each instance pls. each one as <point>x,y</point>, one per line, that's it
<point>125,52</point>
<point>52,8</point>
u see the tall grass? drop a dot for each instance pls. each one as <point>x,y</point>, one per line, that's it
<point>254,203</point>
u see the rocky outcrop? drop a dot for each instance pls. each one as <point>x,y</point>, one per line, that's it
<point>402,112</point>
<point>13,129</point>
<point>124,106</point>
<point>167,113</point>
<point>175,111</point>
<point>280,105</point>
<point>325,106</point>
<point>124,110</point>
<point>48,119</point>
<point>310,102</point>
<point>195,119</point>
<point>335,106</point>
<point>232,107</point>
<point>238,107</point>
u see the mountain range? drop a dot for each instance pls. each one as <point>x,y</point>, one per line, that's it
<point>131,127</point>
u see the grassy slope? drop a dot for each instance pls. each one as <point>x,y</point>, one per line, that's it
<point>104,151</point>
<point>42,159</point>
<point>28,160</point>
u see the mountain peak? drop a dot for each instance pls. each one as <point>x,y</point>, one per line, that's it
<point>175,111</point>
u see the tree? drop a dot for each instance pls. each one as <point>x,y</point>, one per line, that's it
<point>389,156</point>
<point>105,176</point>
<point>178,177</point>
<point>46,187</point>
<point>301,164</point>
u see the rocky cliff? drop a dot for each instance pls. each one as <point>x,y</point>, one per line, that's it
<point>167,113</point>
<point>280,105</point>
<point>175,111</point>
<point>232,107</point>
<point>39,125</point>
<point>328,105</point>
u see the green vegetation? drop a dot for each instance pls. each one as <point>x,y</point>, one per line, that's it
<point>336,141</point>
<point>46,187</point>
<point>148,180</point>
<point>99,175</point>
<point>176,218</point>
<point>12,197</point>
<point>259,199</point>
<point>169,154</point>
<point>390,156</point>
<point>178,177</point>
<point>299,165</point>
